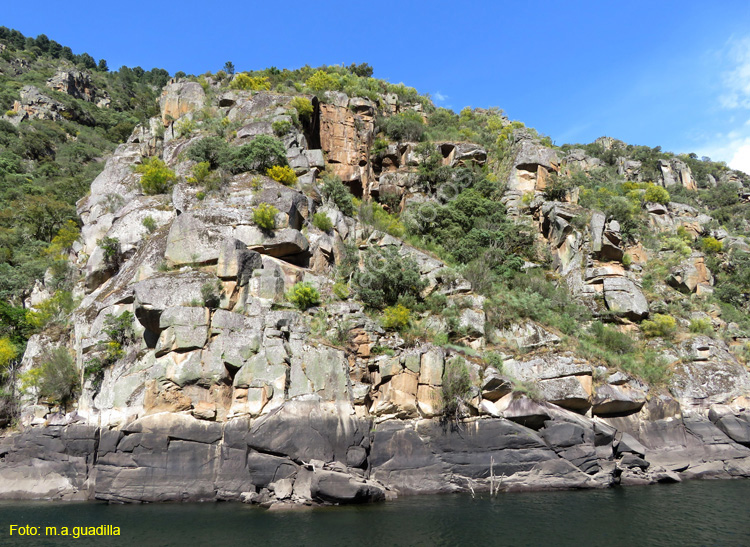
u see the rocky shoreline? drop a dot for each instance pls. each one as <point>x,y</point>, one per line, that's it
<point>309,452</point>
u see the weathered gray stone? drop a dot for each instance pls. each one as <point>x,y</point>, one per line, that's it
<point>623,297</point>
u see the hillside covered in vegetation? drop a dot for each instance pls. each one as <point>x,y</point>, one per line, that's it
<point>281,253</point>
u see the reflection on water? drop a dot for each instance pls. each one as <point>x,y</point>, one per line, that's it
<point>694,513</point>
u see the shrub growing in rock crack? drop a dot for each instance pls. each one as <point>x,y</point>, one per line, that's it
<point>303,295</point>
<point>157,177</point>
<point>265,216</point>
<point>456,387</point>
<point>283,174</point>
<point>335,190</point>
<point>322,222</point>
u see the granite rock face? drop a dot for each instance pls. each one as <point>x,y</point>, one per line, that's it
<point>309,452</point>
<point>228,391</point>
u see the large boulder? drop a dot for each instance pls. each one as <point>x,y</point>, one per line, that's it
<point>623,297</point>
<point>532,163</point>
<point>180,98</point>
<point>692,275</point>
<point>162,291</point>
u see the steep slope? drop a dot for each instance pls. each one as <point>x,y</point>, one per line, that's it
<point>295,295</point>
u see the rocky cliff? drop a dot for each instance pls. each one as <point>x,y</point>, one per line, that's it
<point>226,391</point>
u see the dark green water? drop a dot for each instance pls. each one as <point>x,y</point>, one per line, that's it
<point>693,513</point>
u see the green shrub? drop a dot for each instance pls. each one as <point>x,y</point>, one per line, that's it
<point>262,153</point>
<point>304,108</point>
<point>382,350</point>
<point>337,192</point>
<point>250,83</point>
<point>58,381</point>
<point>53,310</point>
<point>494,360</point>
<point>650,367</point>
<point>119,328</point>
<point>405,126</point>
<point>211,293</point>
<point>322,222</point>
<point>281,127</point>
<point>157,177</point>
<point>201,171</point>
<point>213,150</point>
<point>185,127</point>
<point>285,175</point>
<point>373,214</point>
<point>341,290</point>
<point>656,194</point>
<point>661,325</point>
<point>711,245</point>
<point>701,326</point>
<point>456,386</point>
<point>396,317</point>
<point>557,188</point>
<point>322,81</point>
<point>627,260</point>
<point>303,295</point>
<point>612,339</point>
<point>150,224</point>
<point>265,216</point>
<point>63,241</point>
<point>111,248</point>
<point>386,277</point>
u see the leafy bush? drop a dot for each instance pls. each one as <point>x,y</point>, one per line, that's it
<point>52,310</point>
<point>285,175</point>
<point>63,241</point>
<point>322,81</point>
<point>456,387</point>
<point>373,214</point>
<point>701,326</point>
<point>259,155</point>
<point>711,245</point>
<point>281,127</point>
<point>341,290</point>
<point>304,108</point>
<point>265,216</point>
<point>201,171</point>
<point>211,150</point>
<point>337,192</point>
<point>611,339</point>
<point>252,83</point>
<point>149,223</point>
<point>157,177</point>
<point>185,127</point>
<point>405,126</point>
<point>386,277</point>
<point>211,294</point>
<point>303,295</point>
<point>119,328</point>
<point>322,222</point>
<point>661,325</point>
<point>111,248</point>
<point>396,317</point>
<point>494,360</point>
<point>656,194</point>
<point>59,378</point>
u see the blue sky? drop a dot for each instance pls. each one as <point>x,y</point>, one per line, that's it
<point>674,74</point>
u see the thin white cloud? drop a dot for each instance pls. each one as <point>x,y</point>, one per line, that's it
<point>733,144</point>
<point>439,97</point>
<point>733,147</point>
<point>737,80</point>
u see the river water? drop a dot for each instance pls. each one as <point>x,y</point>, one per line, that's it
<point>692,513</point>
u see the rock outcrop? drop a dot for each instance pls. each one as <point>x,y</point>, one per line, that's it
<point>226,391</point>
